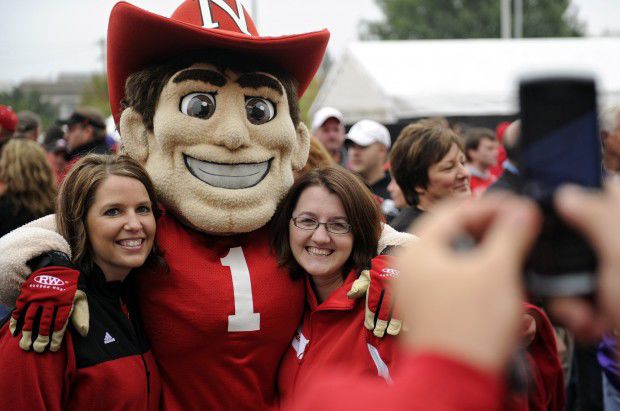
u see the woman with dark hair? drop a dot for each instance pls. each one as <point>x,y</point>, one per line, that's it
<point>27,184</point>
<point>428,163</point>
<point>106,210</point>
<point>326,231</point>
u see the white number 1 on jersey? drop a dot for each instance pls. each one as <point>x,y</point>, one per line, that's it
<point>244,318</point>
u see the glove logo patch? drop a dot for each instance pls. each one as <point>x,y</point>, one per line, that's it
<point>48,282</point>
<point>389,272</point>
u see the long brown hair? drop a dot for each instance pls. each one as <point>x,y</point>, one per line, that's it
<point>77,194</point>
<point>362,212</point>
<point>28,177</point>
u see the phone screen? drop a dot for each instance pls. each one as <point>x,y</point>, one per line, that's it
<point>560,141</point>
<point>559,144</point>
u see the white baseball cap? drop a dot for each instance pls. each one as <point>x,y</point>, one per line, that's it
<point>365,132</point>
<point>323,114</point>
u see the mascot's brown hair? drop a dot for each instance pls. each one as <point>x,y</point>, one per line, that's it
<point>144,87</point>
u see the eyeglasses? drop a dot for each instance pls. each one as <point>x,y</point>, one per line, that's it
<point>334,227</point>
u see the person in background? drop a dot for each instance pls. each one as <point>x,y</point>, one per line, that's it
<point>326,231</point>
<point>609,351</point>
<point>317,157</point>
<point>28,125</point>
<point>368,144</point>
<point>27,184</point>
<point>509,179</point>
<point>428,164</point>
<point>8,123</point>
<point>396,194</point>
<point>481,151</point>
<point>56,147</point>
<point>498,169</point>
<point>328,128</point>
<point>610,137</point>
<point>85,134</point>
<point>107,210</point>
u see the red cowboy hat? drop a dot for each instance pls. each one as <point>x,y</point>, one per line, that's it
<point>138,38</point>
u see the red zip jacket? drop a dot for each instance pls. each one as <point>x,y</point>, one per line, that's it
<point>110,369</point>
<point>333,336</point>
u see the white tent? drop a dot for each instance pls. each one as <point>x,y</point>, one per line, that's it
<point>391,80</point>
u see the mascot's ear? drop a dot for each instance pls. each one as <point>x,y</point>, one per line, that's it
<point>300,154</point>
<point>134,136</point>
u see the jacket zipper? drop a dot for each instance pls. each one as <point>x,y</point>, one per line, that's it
<point>148,381</point>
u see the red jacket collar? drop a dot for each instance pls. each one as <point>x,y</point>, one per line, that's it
<point>338,300</point>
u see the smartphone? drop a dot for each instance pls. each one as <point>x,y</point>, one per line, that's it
<point>559,144</point>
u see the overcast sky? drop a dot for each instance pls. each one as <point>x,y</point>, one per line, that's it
<point>40,38</point>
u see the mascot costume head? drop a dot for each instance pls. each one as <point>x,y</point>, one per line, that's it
<point>210,108</point>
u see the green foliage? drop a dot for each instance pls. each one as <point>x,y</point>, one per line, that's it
<point>453,19</point>
<point>308,98</point>
<point>95,94</point>
<point>19,100</point>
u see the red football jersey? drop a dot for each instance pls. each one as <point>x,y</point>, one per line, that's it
<point>220,320</point>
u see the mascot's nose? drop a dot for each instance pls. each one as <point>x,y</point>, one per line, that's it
<point>233,137</point>
<point>234,141</point>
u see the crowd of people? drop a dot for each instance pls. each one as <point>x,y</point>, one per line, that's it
<point>34,163</point>
<point>231,257</point>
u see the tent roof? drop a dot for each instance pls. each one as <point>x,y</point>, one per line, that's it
<point>391,80</point>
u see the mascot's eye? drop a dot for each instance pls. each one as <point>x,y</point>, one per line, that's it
<point>200,105</point>
<point>259,110</point>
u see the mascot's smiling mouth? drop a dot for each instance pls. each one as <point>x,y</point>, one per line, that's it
<point>230,176</point>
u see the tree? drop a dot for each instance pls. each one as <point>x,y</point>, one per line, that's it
<point>452,19</point>
<point>95,94</point>
<point>19,100</point>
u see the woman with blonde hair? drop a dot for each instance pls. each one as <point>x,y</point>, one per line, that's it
<point>27,184</point>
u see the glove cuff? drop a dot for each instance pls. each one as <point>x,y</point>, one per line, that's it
<point>48,259</point>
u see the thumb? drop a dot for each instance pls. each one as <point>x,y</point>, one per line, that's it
<point>585,211</point>
<point>80,317</point>
<point>359,286</point>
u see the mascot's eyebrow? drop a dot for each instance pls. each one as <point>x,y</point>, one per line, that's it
<point>257,80</point>
<point>206,76</point>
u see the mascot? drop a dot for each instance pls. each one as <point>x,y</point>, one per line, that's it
<point>210,108</point>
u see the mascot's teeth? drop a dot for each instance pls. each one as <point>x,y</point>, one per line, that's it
<point>230,176</point>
